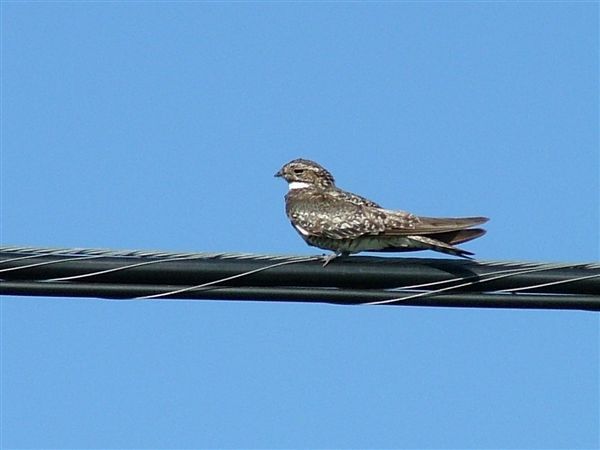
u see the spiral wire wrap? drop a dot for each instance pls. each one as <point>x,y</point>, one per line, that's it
<point>355,280</point>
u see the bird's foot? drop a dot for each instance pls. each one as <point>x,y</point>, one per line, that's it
<point>328,258</point>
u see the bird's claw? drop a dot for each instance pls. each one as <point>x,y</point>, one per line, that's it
<point>328,258</point>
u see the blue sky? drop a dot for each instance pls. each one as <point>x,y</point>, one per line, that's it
<point>155,125</point>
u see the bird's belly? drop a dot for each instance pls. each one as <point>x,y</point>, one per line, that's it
<point>362,244</point>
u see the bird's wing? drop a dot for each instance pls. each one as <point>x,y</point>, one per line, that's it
<point>334,214</point>
<point>337,214</point>
<point>397,223</point>
<point>354,198</point>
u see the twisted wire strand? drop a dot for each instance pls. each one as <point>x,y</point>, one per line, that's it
<point>87,254</point>
<point>491,263</point>
<point>550,283</point>
<point>47,251</point>
<point>51,251</point>
<point>232,277</point>
<point>476,278</point>
<point>481,280</point>
<point>121,268</point>
<point>139,258</point>
<point>49,263</point>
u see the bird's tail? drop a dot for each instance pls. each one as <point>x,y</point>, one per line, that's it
<point>458,236</point>
<point>440,242</point>
<point>431,242</point>
<point>441,234</point>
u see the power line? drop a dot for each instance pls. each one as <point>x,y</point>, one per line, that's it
<point>352,280</point>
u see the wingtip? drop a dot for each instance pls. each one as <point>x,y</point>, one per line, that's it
<point>475,220</point>
<point>460,236</point>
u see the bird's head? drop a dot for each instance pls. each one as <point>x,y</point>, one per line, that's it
<point>303,173</point>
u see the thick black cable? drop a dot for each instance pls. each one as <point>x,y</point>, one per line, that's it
<point>350,272</point>
<point>310,295</point>
<point>352,280</point>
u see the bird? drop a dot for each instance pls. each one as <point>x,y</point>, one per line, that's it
<point>330,218</point>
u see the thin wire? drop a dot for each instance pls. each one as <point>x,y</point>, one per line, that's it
<point>101,254</point>
<point>550,283</point>
<point>223,255</point>
<point>21,258</point>
<point>116,269</point>
<point>139,253</point>
<point>471,283</point>
<point>233,277</point>
<point>475,277</point>
<point>48,263</point>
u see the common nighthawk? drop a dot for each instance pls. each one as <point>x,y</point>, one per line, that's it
<point>332,219</point>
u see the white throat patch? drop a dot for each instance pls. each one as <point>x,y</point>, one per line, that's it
<point>298,185</point>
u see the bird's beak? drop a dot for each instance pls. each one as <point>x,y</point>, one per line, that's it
<point>279,174</point>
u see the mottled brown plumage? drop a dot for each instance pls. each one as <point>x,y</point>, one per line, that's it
<point>333,219</point>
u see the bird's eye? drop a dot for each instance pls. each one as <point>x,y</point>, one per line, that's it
<point>298,171</point>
